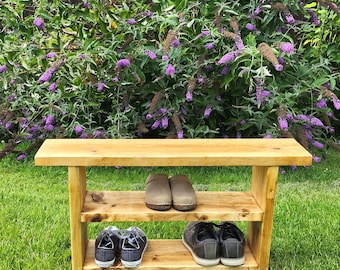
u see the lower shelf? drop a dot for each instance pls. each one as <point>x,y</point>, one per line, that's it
<point>167,254</point>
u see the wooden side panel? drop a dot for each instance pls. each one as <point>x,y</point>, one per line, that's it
<point>77,191</point>
<point>264,182</point>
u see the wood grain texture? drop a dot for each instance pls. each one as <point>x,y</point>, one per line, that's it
<point>172,152</point>
<point>167,254</point>
<point>130,206</point>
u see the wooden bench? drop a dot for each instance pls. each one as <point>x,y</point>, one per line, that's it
<point>255,206</point>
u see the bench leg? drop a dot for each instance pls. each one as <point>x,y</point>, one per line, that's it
<point>264,181</point>
<point>77,191</point>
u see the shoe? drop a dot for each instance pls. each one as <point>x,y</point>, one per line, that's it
<point>157,192</point>
<point>202,241</point>
<point>232,244</point>
<point>133,247</point>
<point>107,247</point>
<point>183,194</point>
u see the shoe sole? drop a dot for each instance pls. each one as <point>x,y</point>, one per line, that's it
<point>199,260</point>
<point>104,264</point>
<point>232,261</point>
<point>159,207</point>
<point>134,264</point>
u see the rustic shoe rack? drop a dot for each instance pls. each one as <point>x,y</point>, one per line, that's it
<point>255,206</point>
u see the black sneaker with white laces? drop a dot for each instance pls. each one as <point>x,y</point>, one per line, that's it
<point>201,240</point>
<point>107,247</point>
<point>133,247</point>
<point>232,244</point>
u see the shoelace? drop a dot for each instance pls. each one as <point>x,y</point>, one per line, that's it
<point>230,230</point>
<point>205,230</point>
<point>132,236</point>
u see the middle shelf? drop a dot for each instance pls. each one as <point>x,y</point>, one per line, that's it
<point>109,206</point>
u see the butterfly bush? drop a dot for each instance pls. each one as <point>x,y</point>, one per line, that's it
<point>169,69</point>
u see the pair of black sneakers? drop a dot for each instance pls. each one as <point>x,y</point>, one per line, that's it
<point>129,245</point>
<point>210,247</point>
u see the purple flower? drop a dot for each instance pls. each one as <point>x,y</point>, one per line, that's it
<point>314,17</point>
<point>151,54</point>
<point>165,58</point>
<point>207,111</point>
<point>100,87</point>
<point>170,70</point>
<point>229,57</point>
<point>316,159</point>
<point>11,97</point>
<point>83,135</point>
<point>148,13</point>
<point>316,122</point>
<point>156,124</point>
<point>50,55</point>
<point>204,33</point>
<point>180,134</point>
<point>149,116</point>
<point>258,10</point>
<point>287,47</point>
<point>281,60</point>
<point>86,4</point>
<point>321,104</point>
<point>49,127</point>
<point>115,79</point>
<point>53,87</point>
<point>290,19</point>
<point>278,67</point>
<point>239,44</point>
<point>251,27</point>
<point>209,46</point>
<point>317,144</point>
<point>336,103</point>
<point>3,68</point>
<point>165,122</point>
<point>183,110</point>
<point>8,125</point>
<point>188,96</point>
<point>268,136</point>
<point>122,63</point>
<point>21,157</point>
<point>131,21</point>
<point>47,75</point>
<point>224,70</point>
<point>78,129</point>
<point>49,119</point>
<point>175,43</point>
<point>38,22</point>
<point>302,117</point>
<point>200,80</point>
<point>97,134</point>
<point>283,123</point>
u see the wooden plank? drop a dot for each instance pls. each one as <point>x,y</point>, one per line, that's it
<point>77,190</point>
<point>264,183</point>
<point>167,254</point>
<point>172,152</point>
<point>130,206</point>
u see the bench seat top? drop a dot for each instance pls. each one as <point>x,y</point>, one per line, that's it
<point>172,152</point>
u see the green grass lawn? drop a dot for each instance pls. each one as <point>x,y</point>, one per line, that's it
<point>34,221</point>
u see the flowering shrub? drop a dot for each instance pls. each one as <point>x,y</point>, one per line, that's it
<point>175,69</point>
